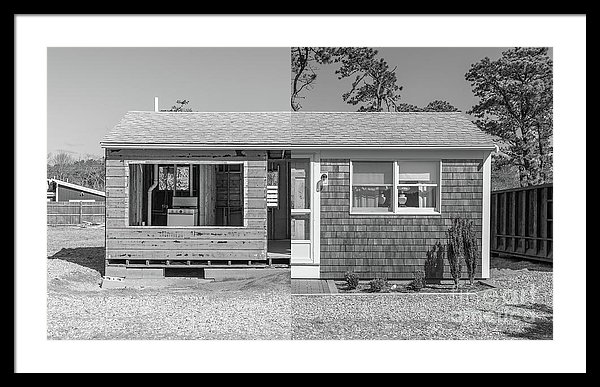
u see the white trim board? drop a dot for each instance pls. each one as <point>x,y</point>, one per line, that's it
<point>486,219</point>
<point>305,272</point>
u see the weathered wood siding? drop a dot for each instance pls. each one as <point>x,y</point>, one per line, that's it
<point>158,244</point>
<point>393,246</point>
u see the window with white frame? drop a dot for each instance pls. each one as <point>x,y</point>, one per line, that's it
<point>414,184</point>
<point>418,185</point>
<point>372,186</point>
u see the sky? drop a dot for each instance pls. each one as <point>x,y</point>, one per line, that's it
<point>90,89</point>
<point>425,74</point>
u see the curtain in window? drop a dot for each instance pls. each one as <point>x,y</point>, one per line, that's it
<point>372,184</point>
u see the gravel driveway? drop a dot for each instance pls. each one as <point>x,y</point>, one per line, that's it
<point>179,308</point>
<point>520,308</point>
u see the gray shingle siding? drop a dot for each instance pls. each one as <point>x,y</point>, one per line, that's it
<point>394,246</point>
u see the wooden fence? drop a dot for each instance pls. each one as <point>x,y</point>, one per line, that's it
<point>521,222</point>
<point>75,212</point>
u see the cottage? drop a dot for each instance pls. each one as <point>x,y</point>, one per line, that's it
<point>327,192</point>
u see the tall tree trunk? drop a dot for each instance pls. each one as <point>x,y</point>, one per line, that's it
<point>542,154</point>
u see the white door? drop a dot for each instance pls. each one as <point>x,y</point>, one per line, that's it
<point>304,216</point>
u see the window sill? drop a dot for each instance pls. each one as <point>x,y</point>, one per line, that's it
<point>400,213</point>
<point>424,213</point>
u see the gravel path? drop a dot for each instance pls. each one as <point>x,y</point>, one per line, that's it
<point>520,308</point>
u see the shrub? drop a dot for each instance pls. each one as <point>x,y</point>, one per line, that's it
<point>434,265</point>
<point>462,245</point>
<point>455,250</point>
<point>471,252</point>
<point>418,282</point>
<point>377,284</point>
<point>351,279</point>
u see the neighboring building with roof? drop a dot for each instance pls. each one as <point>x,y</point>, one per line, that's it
<point>329,192</point>
<point>63,191</point>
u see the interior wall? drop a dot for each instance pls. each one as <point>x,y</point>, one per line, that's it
<point>278,219</point>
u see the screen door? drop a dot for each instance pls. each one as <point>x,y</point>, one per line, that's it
<point>301,214</point>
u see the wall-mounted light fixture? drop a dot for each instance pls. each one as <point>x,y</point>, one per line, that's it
<point>323,181</point>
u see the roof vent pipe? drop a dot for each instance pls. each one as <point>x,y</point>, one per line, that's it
<point>156,104</point>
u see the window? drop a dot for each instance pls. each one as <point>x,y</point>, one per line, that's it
<point>167,179</point>
<point>415,184</point>
<point>300,211</point>
<point>186,194</point>
<point>372,186</point>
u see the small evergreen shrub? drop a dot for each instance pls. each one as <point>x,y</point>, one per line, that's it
<point>471,250</point>
<point>462,245</point>
<point>351,280</point>
<point>418,282</point>
<point>377,284</point>
<point>455,252</point>
<point>434,265</point>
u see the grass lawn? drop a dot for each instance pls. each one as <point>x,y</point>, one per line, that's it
<point>179,308</point>
<point>519,308</point>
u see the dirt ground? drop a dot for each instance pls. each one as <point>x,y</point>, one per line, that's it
<point>178,308</point>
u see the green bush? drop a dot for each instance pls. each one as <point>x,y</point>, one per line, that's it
<point>351,280</point>
<point>377,284</point>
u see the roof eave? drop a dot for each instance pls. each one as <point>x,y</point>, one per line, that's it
<point>78,187</point>
<point>115,145</point>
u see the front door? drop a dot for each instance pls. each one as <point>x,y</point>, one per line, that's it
<point>304,216</point>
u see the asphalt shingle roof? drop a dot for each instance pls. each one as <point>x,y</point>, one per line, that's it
<point>281,129</point>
